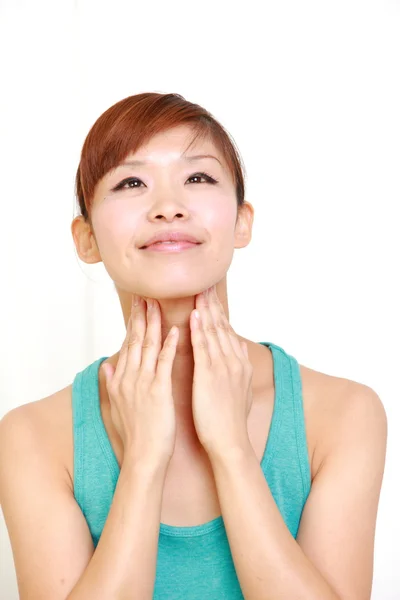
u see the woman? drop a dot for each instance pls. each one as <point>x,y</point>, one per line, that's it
<point>193,463</point>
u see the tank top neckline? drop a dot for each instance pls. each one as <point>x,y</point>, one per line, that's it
<point>105,443</point>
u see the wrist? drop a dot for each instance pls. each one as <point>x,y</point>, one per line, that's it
<point>144,466</point>
<point>237,452</point>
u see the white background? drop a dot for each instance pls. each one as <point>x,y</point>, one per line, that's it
<point>310,92</point>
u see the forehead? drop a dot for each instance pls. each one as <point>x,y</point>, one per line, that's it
<point>176,141</point>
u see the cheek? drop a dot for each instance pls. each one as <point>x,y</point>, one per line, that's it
<point>219,220</point>
<point>115,225</point>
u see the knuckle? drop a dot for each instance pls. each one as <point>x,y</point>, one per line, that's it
<point>148,342</point>
<point>237,367</point>
<point>156,388</point>
<point>134,340</point>
<point>225,366</point>
<point>124,346</point>
<point>113,390</point>
<point>221,324</point>
<point>211,329</point>
<point>163,356</point>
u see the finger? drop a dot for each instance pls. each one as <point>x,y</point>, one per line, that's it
<point>220,322</point>
<point>120,366</point>
<point>133,350</point>
<point>208,329</point>
<point>199,342</point>
<point>245,349</point>
<point>221,318</point>
<point>152,342</point>
<point>166,357</point>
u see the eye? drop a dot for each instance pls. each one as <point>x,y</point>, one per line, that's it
<point>134,180</point>
<point>204,176</point>
<point>128,180</point>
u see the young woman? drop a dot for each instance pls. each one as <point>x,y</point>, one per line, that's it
<point>193,463</point>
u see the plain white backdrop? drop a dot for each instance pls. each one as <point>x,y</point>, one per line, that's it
<point>310,91</point>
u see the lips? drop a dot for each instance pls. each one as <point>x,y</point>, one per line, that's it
<point>171,236</point>
<point>170,247</point>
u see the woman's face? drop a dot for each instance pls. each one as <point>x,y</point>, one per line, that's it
<point>167,192</point>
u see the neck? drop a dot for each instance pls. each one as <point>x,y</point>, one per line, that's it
<point>176,311</point>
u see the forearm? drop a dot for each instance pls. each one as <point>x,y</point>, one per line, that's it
<point>269,563</point>
<point>123,565</point>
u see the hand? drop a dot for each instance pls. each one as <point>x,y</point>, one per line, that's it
<point>140,387</point>
<point>222,392</point>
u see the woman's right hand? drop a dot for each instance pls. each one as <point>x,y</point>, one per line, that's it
<point>140,387</point>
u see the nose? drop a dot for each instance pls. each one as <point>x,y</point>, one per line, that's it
<point>168,210</point>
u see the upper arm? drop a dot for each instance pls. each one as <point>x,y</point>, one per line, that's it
<point>49,536</point>
<point>337,527</point>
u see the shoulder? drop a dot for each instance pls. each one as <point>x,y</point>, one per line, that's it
<point>340,410</point>
<point>43,427</point>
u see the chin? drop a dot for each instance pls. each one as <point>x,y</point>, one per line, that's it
<point>169,288</point>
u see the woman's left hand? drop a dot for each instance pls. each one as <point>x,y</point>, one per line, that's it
<point>222,391</point>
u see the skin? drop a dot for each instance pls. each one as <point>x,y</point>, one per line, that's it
<point>168,199</point>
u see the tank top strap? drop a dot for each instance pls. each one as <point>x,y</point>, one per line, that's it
<point>89,446</point>
<point>289,431</point>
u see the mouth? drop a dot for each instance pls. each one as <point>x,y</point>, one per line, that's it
<point>171,246</point>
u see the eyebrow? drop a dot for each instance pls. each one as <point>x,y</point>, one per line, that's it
<point>140,163</point>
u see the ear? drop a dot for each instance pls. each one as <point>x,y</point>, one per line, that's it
<point>85,241</point>
<point>244,225</point>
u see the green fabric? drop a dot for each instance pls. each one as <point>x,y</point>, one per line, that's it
<point>194,563</point>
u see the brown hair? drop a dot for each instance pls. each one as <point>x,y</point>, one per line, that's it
<point>130,123</point>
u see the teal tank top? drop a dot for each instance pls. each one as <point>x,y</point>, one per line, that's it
<point>195,562</point>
